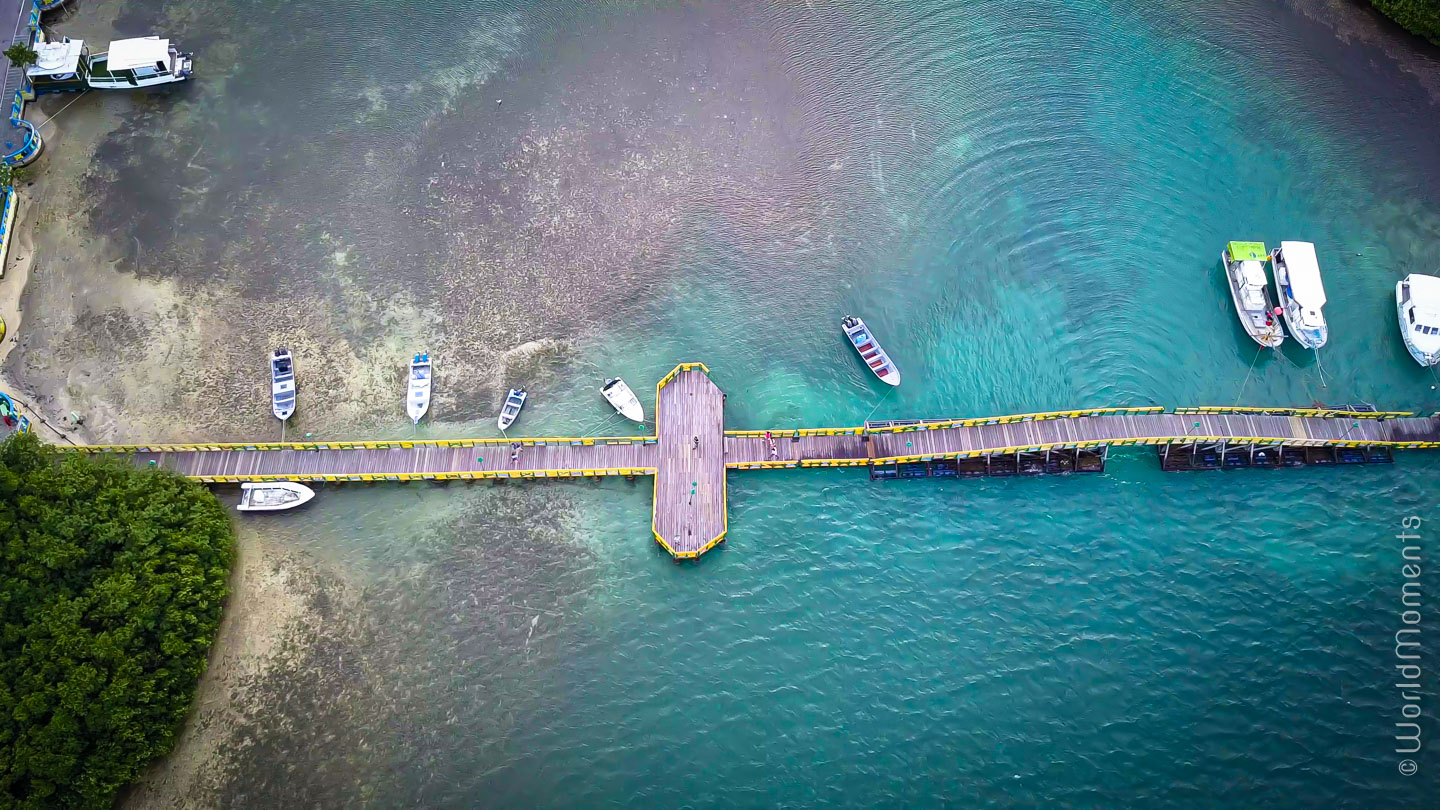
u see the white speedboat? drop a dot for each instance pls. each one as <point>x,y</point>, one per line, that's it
<point>66,64</point>
<point>1302,296</point>
<point>282,384</point>
<point>618,394</point>
<point>870,351</point>
<point>1250,288</point>
<point>1417,304</point>
<point>514,401</point>
<point>273,496</point>
<point>417,397</point>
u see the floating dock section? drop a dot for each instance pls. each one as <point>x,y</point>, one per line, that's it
<point>691,452</point>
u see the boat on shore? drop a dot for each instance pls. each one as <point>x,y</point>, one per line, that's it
<point>282,383</point>
<point>273,496</point>
<point>417,397</point>
<point>1302,296</point>
<point>514,401</point>
<point>869,349</point>
<point>619,395</point>
<point>1250,289</point>
<point>1417,305</point>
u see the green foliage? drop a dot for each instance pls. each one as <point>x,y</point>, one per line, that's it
<point>1418,16</point>
<point>21,55</point>
<point>111,586</point>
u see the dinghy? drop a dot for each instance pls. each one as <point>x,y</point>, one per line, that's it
<point>273,496</point>
<point>514,401</point>
<point>1297,277</point>
<point>618,394</point>
<point>869,349</point>
<point>417,399</point>
<point>282,384</point>
<point>1417,304</point>
<point>1245,271</point>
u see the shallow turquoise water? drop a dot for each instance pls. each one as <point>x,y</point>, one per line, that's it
<point>1026,202</point>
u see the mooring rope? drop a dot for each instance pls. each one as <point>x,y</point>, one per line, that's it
<point>877,405</point>
<point>1321,367</point>
<point>1246,381</point>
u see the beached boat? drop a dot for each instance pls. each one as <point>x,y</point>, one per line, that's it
<point>282,383</point>
<point>514,401</point>
<point>869,349</point>
<point>417,397</point>
<point>619,395</point>
<point>273,496</point>
<point>1250,288</point>
<point>1417,305</point>
<point>1302,296</point>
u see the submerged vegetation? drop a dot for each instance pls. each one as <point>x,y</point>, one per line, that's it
<point>1417,16</point>
<point>111,586</point>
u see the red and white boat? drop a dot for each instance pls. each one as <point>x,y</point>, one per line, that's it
<point>870,351</point>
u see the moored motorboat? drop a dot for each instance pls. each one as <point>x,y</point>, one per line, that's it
<point>273,496</point>
<point>1250,289</point>
<point>417,396</point>
<point>514,401</point>
<point>282,383</point>
<point>1302,296</point>
<point>619,395</point>
<point>1417,305</point>
<point>870,351</point>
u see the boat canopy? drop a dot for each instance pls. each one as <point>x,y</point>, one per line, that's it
<point>57,57</point>
<point>1253,272</point>
<point>1304,270</point>
<point>1424,290</point>
<point>128,54</point>
<point>1247,251</point>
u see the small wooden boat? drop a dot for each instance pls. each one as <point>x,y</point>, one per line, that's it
<point>514,401</point>
<point>619,395</point>
<point>1249,287</point>
<point>1417,305</point>
<point>282,383</point>
<point>417,398</point>
<point>869,349</point>
<point>273,496</point>
<point>1297,278</point>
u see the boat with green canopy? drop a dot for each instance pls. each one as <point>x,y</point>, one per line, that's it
<point>1250,288</point>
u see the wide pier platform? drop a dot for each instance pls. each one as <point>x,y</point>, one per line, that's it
<point>691,451</point>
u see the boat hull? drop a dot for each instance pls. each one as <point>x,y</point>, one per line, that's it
<point>275,496</point>
<point>1269,338</point>
<point>863,341</point>
<point>623,400</point>
<point>417,396</point>
<point>282,385</point>
<point>1310,338</point>
<point>510,411</point>
<point>1427,360</point>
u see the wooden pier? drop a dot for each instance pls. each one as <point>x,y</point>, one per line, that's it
<point>691,451</point>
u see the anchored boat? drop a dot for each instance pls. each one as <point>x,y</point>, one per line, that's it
<point>870,351</point>
<point>66,64</point>
<point>273,496</point>
<point>514,401</point>
<point>1417,304</point>
<point>417,398</point>
<point>282,383</point>
<point>619,395</point>
<point>1245,272</point>
<point>1297,277</point>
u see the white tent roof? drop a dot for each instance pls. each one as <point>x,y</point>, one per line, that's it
<point>57,57</point>
<point>1424,289</point>
<point>127,54</point>
<point>1304,271</point>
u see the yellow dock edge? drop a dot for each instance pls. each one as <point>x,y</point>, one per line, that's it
<point>476,475</point>
<point>715,541</point>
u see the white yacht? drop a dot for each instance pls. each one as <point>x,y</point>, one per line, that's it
<point>619,395</point>
<point>282,384</point>
<point>66,64</point>
<point>1417,304</point>
<point>417,396</point>
<point>1302,296</point>
<point>1250,288</point>
<point>273,496</point>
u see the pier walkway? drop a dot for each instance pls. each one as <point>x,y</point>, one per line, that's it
<point>691,451</point>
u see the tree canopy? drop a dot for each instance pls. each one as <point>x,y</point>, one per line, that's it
<point>111,586</point>
<point>1417,16</point>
